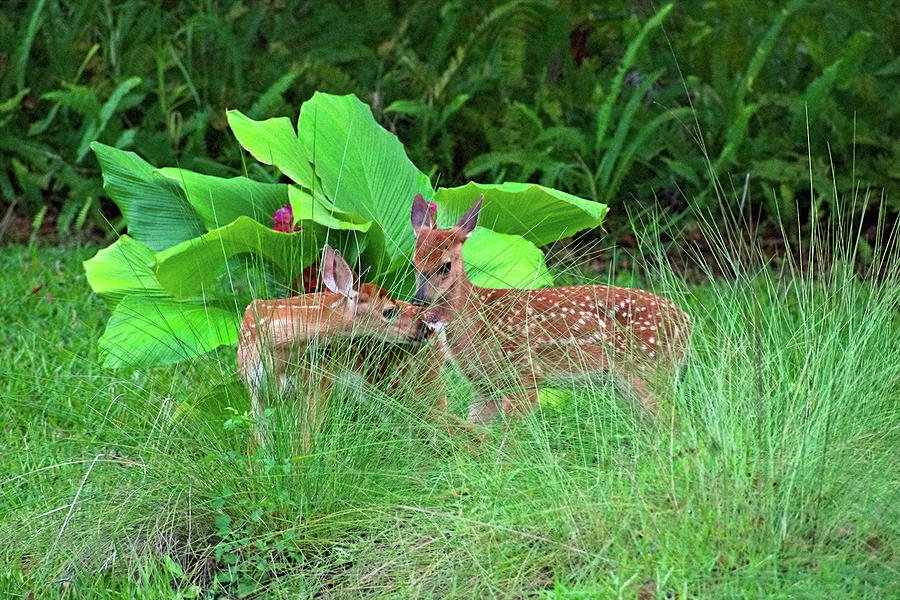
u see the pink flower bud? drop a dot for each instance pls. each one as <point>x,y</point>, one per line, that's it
<point>284,219</point>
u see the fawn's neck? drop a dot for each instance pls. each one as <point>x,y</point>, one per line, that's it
<point>461,302</point>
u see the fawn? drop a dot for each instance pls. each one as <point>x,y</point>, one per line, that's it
<point>274,333</point>
<point>523,339</point>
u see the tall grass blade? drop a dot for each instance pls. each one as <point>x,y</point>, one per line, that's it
<point>741,112</point>
<point>24,49</point>
<point>612,151</point>
<point>95,129</point>
<point>605,113</point>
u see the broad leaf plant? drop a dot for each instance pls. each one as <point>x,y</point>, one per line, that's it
<point>199,248</point>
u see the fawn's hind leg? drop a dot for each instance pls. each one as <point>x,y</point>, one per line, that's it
<point>512,404</point>
<point>637,389</point>
<point>519,402</point>
<point>484,412</point>
<point>648,393</point>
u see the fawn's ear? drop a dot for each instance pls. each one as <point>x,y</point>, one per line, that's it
<point>422,217</point>
<point>469,220</point>
<point>336,273</point>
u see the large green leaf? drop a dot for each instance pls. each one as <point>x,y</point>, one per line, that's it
<point>363,168</point>
<point>273,142</point>
<point>493,260</point>
<point>144,331</point>
<point>497,260</point>
<point>539,214</point>
<point>194,267</point>
<point>220,201</point>
<point>155,208</point>
<point>323,212</point>
<point>353,235</point>
<point>125,267</point>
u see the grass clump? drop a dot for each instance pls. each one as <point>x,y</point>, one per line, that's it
<point>780,480</point>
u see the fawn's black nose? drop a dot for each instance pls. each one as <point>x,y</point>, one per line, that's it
<point>418,298</point>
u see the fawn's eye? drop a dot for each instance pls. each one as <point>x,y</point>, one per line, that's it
<point>389,313</point>
<point>445,268</point>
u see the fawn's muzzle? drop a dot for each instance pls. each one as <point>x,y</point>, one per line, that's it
<point>418,298</point>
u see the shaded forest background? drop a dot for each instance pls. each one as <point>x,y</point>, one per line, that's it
<point>783,113</point>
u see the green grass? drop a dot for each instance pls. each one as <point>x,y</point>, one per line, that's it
<point>781,480</point>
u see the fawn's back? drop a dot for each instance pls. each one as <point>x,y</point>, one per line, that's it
<point>570,332</point>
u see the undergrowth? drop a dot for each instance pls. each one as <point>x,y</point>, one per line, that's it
<point>609,101</point>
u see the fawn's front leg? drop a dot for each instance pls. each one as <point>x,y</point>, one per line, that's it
<point>313,404</point>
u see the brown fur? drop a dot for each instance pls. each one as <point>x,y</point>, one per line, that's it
<point>275,333</point>
<point>513,341</point>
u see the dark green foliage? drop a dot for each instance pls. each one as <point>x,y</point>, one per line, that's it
<point>614,101</point>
